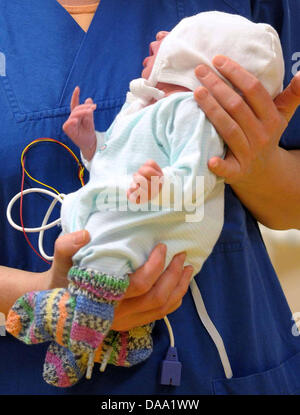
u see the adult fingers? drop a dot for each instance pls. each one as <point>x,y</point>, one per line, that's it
<point>164,288</point>
<point>160,291</point>
<point>288,101</point>
<point>230,100</point>
<point>144,277</point>
<point>227,128</point>
<point>64,249</point>
<point>144,317</point>
<point>254,92</point>
<point>229,168</point>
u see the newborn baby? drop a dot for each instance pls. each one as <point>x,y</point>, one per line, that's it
<point>159,133</point>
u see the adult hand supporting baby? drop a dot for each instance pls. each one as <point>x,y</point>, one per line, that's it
<point>64,249</point>
<point>152,292</point>
<point>265,177</point>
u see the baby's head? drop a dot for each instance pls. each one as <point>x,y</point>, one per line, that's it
<point>197,39</point>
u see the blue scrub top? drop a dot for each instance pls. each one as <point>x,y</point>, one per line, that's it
<point>44,54</point>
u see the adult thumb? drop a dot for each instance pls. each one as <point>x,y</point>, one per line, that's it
<point>288,101</point>
<point>65,247</point>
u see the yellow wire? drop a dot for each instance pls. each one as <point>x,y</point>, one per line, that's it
<point>81,168</point>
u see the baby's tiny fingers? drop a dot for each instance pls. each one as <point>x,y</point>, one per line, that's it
<point>75,98</point>
<point>86,112</point>
<point>133,186</point>
<point>140,180</point>
<point>133,197</point>
<point>148,172</point>
<point>69,127</point>
<point>83,107</point>
<point>152,163</point>
<point>89,101</point>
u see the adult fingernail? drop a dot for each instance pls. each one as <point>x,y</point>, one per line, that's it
<point>162,249</point>
<point>219,61</point>
<point>202,71</point>
<point>79,237</point>
<point>201,93</point>
<point>182,256</point>
<point>188,271</point>
<point>213,163</point>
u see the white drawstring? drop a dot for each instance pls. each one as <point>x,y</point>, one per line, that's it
<point>210,327</point>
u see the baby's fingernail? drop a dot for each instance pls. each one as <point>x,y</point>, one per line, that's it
<point>79,237</point>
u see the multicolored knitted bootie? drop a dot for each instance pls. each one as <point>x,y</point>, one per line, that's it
<point>78,319</point>
<point>127,348</point>
<point>62,368</point>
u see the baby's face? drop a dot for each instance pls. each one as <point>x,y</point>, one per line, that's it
<point>153,49</point>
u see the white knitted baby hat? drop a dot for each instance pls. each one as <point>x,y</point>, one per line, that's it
<point>197,39</point>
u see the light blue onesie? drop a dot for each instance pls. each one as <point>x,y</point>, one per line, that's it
<point>176,134</point>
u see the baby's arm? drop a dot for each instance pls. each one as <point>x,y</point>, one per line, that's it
<point>80,125</point>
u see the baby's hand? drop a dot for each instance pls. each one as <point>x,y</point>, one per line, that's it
<point>147,183</point>
<point>80,125</point>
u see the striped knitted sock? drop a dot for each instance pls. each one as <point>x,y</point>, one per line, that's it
<point>36,316</point>
<point>62,368</point>
<point>128,347</point>
<point>96,298</point>
<point>77,318</point>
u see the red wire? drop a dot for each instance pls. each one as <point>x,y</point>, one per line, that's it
<point>21,213</point>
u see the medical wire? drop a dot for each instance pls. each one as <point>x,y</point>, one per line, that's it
<point>58,197</point>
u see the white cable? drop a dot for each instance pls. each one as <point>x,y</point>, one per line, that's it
<point>41,230</point>
<point>169,327</point>
<point>44,226</point>
<point>41,234</point>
